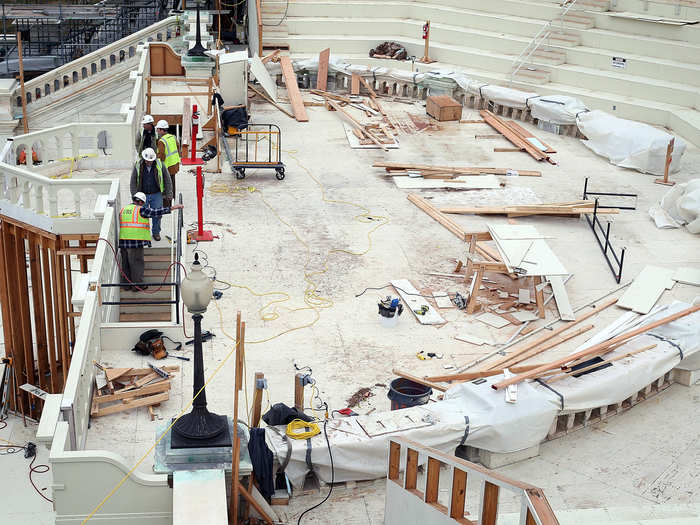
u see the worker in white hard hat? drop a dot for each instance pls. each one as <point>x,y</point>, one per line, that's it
<point>146,138</point>
<point>150,177</point>
<point>134,234</point>
<point>168,150</point>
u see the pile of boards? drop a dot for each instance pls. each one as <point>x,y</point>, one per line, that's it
<point>120,389</point>
<point>519,137</point>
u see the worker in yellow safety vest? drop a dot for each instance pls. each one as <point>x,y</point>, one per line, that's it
<point>168,150</point>
<point>134,234</point>
<point>150,176</point>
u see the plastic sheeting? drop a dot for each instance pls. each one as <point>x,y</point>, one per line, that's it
<point>679,207</point>
<point>504,96</point>
<point>478,416</point>
<point>629,144</point>
<point>557,109</point>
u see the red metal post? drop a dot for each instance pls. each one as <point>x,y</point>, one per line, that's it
<point>202,234</point>
<point>193,160</point>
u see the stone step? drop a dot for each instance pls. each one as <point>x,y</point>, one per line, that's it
<point>548,56</point>
<point>532,74</point>
<point>144,317</point>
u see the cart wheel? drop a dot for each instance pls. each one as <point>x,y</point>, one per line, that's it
<point>280,173</point>
<point>240,174</point>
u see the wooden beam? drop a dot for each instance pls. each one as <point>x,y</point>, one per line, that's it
<point>432,482</point>
<point>459,493</point>
<point>154,388</point>
<point>271,56</point>
<point>27,373</point>
<point>25,122</point>
<point>457,170</point>
<point>523,210</point>
<point>128,404</point>
<point>394,460</point>
<point>489,505</point>
<point>322,77</point>
<point>419,380</point>
<point>268,99</point>
<point>290,80</point>
<point>39,315</point>
<point>470,376</point>
<point>299,391</point>
<point>597,348</point>
<point>46,259</point>
<point>411,475</point>
<point>257,400</point>
<point>355,84</point>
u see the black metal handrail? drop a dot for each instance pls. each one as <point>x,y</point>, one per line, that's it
<point>607,246</point>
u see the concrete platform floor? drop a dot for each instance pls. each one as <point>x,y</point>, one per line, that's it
<point>293,255</point>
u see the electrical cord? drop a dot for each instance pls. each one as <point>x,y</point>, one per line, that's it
<point>399,289</point>
<point>284,17</point>
<point>330,489</point>
<point>29,452</point>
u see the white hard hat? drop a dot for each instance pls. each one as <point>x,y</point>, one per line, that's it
<point>140,196</point>
<point>148,154</point>
<point>162,124</point>
<point>147,119</point>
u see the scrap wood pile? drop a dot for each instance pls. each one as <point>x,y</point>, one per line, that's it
<point>519,137</point>
<point>120,389</point>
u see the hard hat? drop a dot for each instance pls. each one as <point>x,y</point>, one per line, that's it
<point>140,196</point>
<point>148,154</point>
<point>162,124</point>
<point>147,119</point>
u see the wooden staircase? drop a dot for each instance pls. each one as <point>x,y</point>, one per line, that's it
<point>157,261</point>
<point>274,32</point>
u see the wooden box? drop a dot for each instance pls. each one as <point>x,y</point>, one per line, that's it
<point>443,107</point>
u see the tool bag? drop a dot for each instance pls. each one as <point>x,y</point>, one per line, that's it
<point>151,343</point>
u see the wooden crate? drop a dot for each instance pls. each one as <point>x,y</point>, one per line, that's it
<point>443,107</point>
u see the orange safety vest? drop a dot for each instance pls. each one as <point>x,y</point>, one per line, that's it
<point>132,226</point>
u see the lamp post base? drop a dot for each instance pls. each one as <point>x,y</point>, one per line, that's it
<point>200,429</point>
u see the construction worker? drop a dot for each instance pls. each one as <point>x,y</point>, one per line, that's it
<point>150,177</point>
<point>147,137</point>
<point>168,150</point>
<point>134,234</point>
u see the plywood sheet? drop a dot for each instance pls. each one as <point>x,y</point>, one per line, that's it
<point>525,316</point>
<point>290,80</point>
<point>412,299</point>
<point>646,289</point>
<point>259,71</point>
<point>466,182</point>
<point>493,320</point>
<point>566,312</point>
<point>443,300</point>
<point>515,231</point>
<point>322,78</point>
<point>687,276</point>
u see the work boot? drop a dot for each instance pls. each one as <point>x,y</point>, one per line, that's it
<point>156,237</point>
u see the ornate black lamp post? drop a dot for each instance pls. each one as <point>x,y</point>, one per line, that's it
<point>199,428</point>
<point>198,49</point>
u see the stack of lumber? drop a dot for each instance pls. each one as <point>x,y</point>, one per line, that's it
<point>122,389</point>
<point>448,172</point>
<point>558,209</point>
<point>519,137</point>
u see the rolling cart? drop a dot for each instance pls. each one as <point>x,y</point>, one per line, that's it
<point>258,146</point>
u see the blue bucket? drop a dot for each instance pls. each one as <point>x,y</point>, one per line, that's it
<point>405,393</point>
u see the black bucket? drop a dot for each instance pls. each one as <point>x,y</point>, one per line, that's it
<point>405,393</point>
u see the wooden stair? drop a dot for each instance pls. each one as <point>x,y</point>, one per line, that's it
<point>275,31</point>
<point>157,261</point>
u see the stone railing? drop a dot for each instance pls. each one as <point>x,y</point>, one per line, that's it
<point>94,66</point>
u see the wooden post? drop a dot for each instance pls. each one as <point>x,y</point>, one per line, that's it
<point>459,493</point>
<point>489,505</point>
<point>257,399</point>
<point>667,166</point>
<point>426,36</point>
<point>432,483</point>
<point>473,304</point>
<point>25,123</point>
<point>235,460</point>
<point>299,391</point>
<point>411,469</point>
<point>260,28</point>
<point>322,77</point>
<point>394,459</point>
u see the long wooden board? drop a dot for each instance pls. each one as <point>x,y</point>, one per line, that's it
<point>290,80</point>
<point>322,78</point>
<point>458,170</point>
<point>128,405</point>
<point>412,299</point>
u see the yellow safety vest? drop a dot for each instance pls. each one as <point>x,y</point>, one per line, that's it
<point>132,226</point>
<point>159,169</point>
<point>172,157</point>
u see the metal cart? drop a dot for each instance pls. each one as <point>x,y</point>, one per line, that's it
<point>258,146</point>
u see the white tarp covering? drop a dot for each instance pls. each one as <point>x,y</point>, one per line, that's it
<point>504,96</point>
<point>557,109</point>
<point>679,207</point>
<point>478,416</point>
<point>629,144</point>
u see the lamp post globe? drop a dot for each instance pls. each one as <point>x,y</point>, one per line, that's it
<point>199,428</point>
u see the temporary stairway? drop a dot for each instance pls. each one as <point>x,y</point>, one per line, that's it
<point>133,309</point>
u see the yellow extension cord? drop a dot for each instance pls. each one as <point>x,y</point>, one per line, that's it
<point>311,298</point>
<point>294,429</point>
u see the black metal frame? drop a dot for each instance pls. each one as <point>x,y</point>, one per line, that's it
<point>586,193</point>
<point>606,247</point>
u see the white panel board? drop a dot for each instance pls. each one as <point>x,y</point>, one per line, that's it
<point>515,231</point>
<point>259,71</point>
<point>566,312</point>
<point>687,276</point>
<point>199,496</point>
<point>493,320</point>
<point>646,289</point>
<point>473,339</point>
<point>464,182</point>
<point>411,297</point>
<point>443,300</point>
<point>233,78</point>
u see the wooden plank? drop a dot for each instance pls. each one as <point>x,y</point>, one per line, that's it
<point>570,373</point>
<point>518,141</point>
<point>355,84</point>
<point>432,482</point>
<point>470,376</point>
<point>526,134</point>
<point>27,373</point>
<point>439,217</point>
<point>46,258</point>
<point>264,96</point>
<point>135,403</point>
<point>599,347</point>
<point>126,394</point>
<point>419,380</point>
<point>290,80</point>
<point>459,493</point>
<point>39,316</point>
<point>509,359</point>
<point>523,210</point>
<point>411,298</point>
<point>462,182</point>
<point>272,56</point>
<point>257,400</point>
<point>411,475</point>
<point>457,170</point>
<point>357,123</point>
<point>566,312</point>
<point>489,504</point>
<point>322,78</point>
<point>394,460</point>
<point>61,314</point>
<point>646,289</point>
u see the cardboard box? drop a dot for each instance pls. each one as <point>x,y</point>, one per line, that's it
<point>443,107</point>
